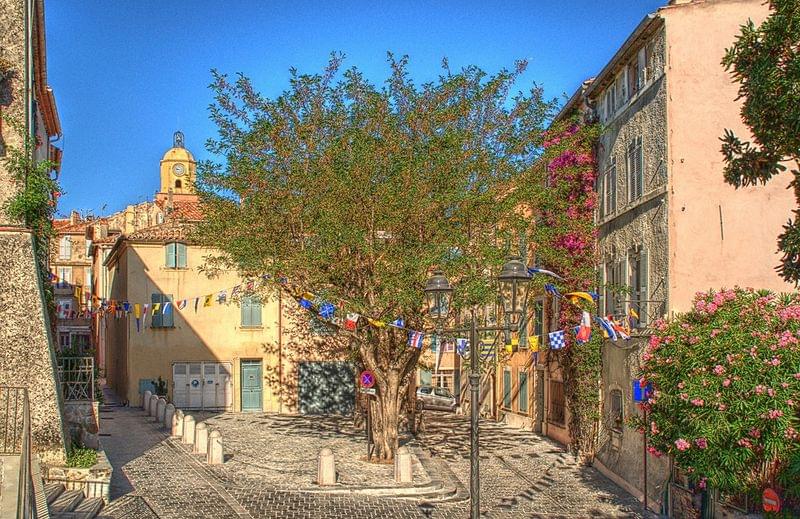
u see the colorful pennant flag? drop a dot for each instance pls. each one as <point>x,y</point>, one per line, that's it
<point>376,323</point>
<point>167,308</point>
<point>608,328</point>
<point>196,303</point>
<point>533,343</point>
<point>557,340</point>
<point>235,290</point>
<point>181,304</point>
<point>415,339</point>
<point>462,346</point>
<point>222,297</point>
<point>584,332</point>
<point>326,310</point>
<point>534,270</point>
<point>145,310</point>
<point>156,308</point>
<point>207,300</point>
<point>398,323</point>
<point>552,290</point>
<point>351,323</point>
<point>137,313</point>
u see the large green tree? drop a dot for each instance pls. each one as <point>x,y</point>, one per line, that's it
<point>765,62</point>
<point>355,192</point>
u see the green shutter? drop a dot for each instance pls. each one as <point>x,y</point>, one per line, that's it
<point>168,319</point>
<point>181,253</point>
<point>170,251</point>
<point>507,389</point>
<point>523,392</point>
<point>155,317</point>
<point>251,311</point>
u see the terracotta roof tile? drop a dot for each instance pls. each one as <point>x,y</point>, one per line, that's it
<point>186,210</point>
<point>167,231</point>
<point>65,227</point>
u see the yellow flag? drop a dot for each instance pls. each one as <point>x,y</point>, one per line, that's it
<point>137,311</point>
<point>376,323</point>
<point>156,308</point>
<point>533,343</point>
<point>208,299</point>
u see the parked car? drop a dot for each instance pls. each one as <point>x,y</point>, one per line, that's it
<point>435,398</point>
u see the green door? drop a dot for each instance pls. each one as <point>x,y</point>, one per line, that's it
<point>251,385</point>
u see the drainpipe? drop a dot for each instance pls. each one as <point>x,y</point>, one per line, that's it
<point>28,73</point>
<point>280,351</point>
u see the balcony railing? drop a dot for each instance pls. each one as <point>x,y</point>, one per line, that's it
<point>76,377</point>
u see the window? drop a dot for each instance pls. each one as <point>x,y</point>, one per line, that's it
<point>522,400</point>
<point>425,378</point>
<point>639,286</point>
<point>87,282</point>
<point>642,63</point>
<point>555,411</point>
<point>507,389</point>
<point>64,276</point>
<point>65,248</point>
<point>632,77</point>
<point>635,165</point>
<point>615,409</point>
<point>608,201</point>
<point>251,311</point>
<point>178,184</point>
<point>88,248</point>
<point>537,316</point>
<point>611,101</point>
<point>443,379</point>
<point>80,341</point>
<point>63,340</point>
<point>161,319</point>
<point>615,276</point>
<point>176,255</point>
<point>621,89</point>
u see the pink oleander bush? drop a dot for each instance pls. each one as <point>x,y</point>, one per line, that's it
<point>725,400</point>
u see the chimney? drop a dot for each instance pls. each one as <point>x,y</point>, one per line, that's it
<point>679,2</point>
<point>74,217</point>
<point>169,201</point>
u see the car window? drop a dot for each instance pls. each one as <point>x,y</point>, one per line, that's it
<point>424,390</point>
<point>440,391</point>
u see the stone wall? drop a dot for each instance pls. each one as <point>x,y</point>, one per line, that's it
<point>12,52</point>
<point>27,358</point>
<point>620,448</point>
<point>82,420</point>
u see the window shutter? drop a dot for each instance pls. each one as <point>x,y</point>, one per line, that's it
<point>641,67</point>
<point>640,165</point>
<point>255,311</point>
<point>155,321</point>
<point>245,310</point>
<point>181,250</point>
<point>167,319</point>
<point>644,287</point>
<point>613,184</point>
<point>170,252</point>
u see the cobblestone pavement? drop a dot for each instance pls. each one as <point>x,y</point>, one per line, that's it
<point>522,475</point>
<point>250,441</point>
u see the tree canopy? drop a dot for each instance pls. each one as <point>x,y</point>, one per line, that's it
<point>765,62</point>
<point>356,191</point>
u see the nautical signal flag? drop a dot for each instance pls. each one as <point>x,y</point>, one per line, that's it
<point>376,323</point>
<point>462,346</point>
<point>557,340</point>
<point>326,310</point>
<point>181,304</point>
<point>584,332</point>
<point>351,322</point>
<point>398,323</point>
<point>207,300</point>
<point>415,339</point>
<point>552,290</point>
<point>608,328</point>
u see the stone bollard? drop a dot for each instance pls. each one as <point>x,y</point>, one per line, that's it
<point>146,400</point>
<point>161,408</point>
<point>402,466</point>
<point>188,429</point>
<point>201,439</point>
<point>326,468</point>
<point>215,456</point>
<point>152,408</point>
<point>169,414</point>
<point>177,423</point>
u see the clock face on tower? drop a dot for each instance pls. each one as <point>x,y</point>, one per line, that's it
<point>178,169</point>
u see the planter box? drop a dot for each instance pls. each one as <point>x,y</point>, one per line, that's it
<point>94,481</point>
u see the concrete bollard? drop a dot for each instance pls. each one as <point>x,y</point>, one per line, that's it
<point>188,430</point>
<point>326,468</point>
<point>146,400</point>
<point>161,408</point>
<point>152,408</point>
<point>215,455</point>
<point>201,439</point>
<point>402,466</point>
<point>169,415</point>
<point>177,423</point>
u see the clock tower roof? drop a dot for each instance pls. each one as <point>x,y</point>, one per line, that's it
<point>178,169</point>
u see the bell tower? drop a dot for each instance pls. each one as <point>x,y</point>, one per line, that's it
<point>178,168</point>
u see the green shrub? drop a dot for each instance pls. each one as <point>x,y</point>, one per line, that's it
<point>81,458</point>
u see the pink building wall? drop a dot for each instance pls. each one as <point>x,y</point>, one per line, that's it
<point>702,253</point>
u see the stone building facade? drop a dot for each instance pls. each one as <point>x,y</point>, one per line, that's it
<point>27,356</point>
<point>668,224</point>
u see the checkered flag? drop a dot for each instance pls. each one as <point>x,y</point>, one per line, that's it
<point>556,340</point>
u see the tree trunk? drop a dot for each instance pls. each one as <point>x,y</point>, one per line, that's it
<point>387,416</point>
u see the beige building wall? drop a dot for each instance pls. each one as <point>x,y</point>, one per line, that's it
<point>719,236</point>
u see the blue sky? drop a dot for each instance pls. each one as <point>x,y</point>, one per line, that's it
<point>128,74</point>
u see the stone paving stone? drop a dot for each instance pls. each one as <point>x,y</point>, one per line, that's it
<point>271,457</point>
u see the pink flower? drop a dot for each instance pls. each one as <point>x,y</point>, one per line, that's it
<point>774,414</point>
<point>701,483</point>
<point>760,389</point>
<point>784,385</point>
<point>697,402</point>
<point>755,432</point>
<point>681,385</point>
<point>684,396</point>
<point>701,443</point>
<point>682,444</point>
<point>790,402</point>
<point>771,392</point>
<point>715,332</point>
<point>653,428</point>
<point>722,407</point>
<point>791,433</point>
<point>726,382</point>
<point>775,361</point>
<point>744,442</point>
<point>719,369</point>
<point>655,452</point>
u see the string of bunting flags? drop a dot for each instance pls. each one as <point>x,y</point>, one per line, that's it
<point>348,320</point>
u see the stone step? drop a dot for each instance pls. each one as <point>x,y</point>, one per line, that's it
<point>86,509</point>
<point>52,491</point>
<point>66,502</point>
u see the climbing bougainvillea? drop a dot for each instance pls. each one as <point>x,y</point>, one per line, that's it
<point>725,399</point>
<point>566,242</point>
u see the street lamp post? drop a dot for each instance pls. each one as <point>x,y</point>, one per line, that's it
<point>513,278</point>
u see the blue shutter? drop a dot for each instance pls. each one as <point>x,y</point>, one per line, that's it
<point>255,311</point>
<point>181,253</point>
<point>156,317</point>
<point>168,319</point>
<point>522,399</point>
<point>170,251</point>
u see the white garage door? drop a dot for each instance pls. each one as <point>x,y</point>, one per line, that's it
<point>202,385</point>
